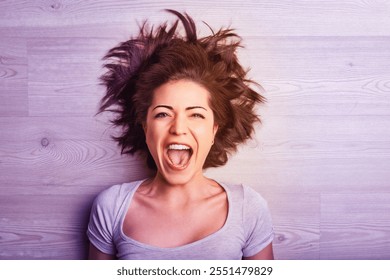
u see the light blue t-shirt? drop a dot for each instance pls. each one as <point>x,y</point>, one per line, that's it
<point>247,229</point>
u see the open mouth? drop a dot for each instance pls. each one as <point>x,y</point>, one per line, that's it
<point>179,155</point>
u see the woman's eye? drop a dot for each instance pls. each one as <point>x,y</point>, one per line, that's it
<point>161,115</point>
<point>198,116</point>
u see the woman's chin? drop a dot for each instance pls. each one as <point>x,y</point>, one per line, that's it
<point>178,176</point>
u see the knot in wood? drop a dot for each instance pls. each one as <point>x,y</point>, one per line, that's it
<point>55,6</point>
<point>281,238</point>
<point>45,142</point>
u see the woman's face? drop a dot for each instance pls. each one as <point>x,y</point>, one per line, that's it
<point>180,130</point>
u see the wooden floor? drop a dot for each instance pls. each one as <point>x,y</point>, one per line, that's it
<point>321,158</point>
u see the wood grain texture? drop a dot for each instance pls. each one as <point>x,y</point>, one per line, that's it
<point>350,79</point>
<point>13,77</point>
<point>355,226</point>
<point>43,226</point>
<point>64,77</point>
<point>286,17</point>
<point>29,129</point>
<point>65,162</point>
<point>311,154</point>
<point>297,225</point>
<point>321,58</point>
<point>321,157</point>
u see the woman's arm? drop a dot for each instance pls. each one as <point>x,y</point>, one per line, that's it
<point>266,254</point>
<point>96,254</point>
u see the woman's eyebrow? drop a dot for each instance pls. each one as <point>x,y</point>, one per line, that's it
<point>171,108</point>
<point>195,107</point>
<point>163,106</point>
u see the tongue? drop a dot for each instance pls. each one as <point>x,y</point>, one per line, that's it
<point>179,157</point>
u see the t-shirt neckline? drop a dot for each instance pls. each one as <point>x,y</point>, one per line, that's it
<point>126,205</point>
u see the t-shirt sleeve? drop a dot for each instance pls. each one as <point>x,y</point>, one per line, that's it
<point>102,222</point>
<point>257,223</point>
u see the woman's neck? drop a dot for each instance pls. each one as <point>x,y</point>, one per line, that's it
<point>199,187</point>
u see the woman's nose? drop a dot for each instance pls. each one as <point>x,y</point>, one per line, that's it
<point>179,126</point>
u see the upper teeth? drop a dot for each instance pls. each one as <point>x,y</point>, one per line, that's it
<point>178,147</point>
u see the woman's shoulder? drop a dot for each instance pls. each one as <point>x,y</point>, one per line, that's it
<point>116,193</point>
<point>244,193</point>
<point>250,201</point>
<point>253,196</point>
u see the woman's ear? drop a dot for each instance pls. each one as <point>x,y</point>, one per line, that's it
<point>144,127</point>
<point>215,129</point>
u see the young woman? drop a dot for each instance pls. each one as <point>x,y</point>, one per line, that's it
<point>184,103</point>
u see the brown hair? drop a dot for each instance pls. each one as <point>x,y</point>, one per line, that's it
<point>136,67</point>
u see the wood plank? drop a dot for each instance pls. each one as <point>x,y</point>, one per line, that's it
<point>13,77</point>
<point>355,225</point>
<point>366,96</point>
<point>55,105</point>
<point>324,128</point>
<point>66,163</point>
<point>317,58</point>
<point>306,175</point>
<point>38,190</point>
<point>44,227</point>
<point>118,32</point>
<point>315,153</point>
<point>355,17</point>
<point>64,79</point>
<point>296,219</point>
<point>37,129</point>
<point>63,151</point>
